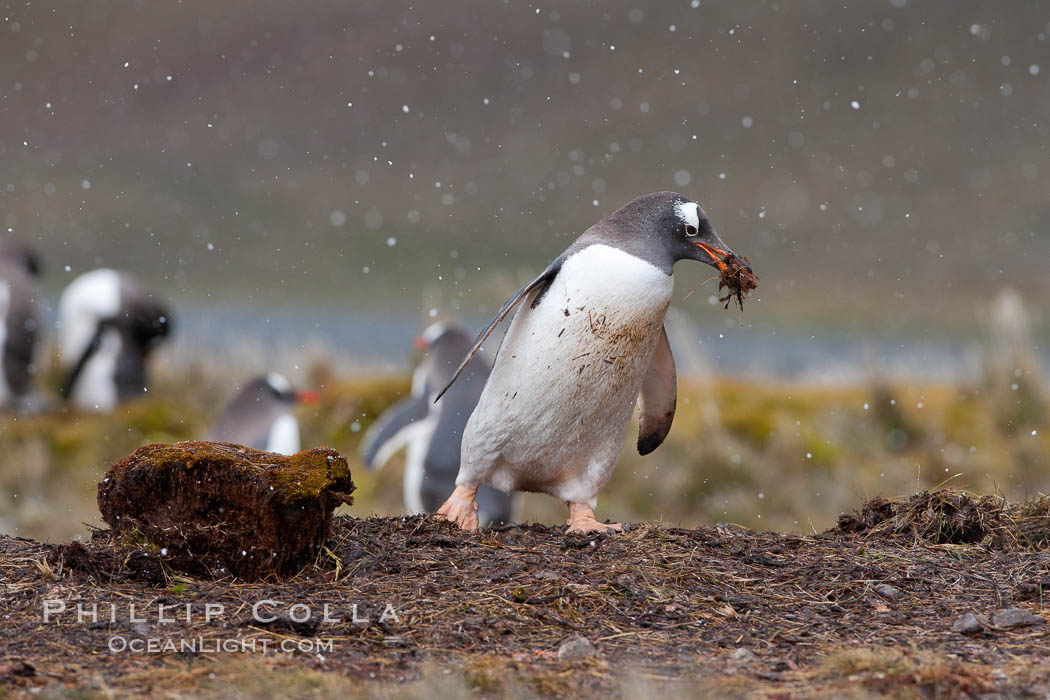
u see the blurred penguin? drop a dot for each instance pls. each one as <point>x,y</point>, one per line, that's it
<point>19,323</point>
<point>432,431</point>
<point>260,416</point>
<point>108,325</point>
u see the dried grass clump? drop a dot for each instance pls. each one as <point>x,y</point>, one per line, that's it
<point>954,517</point>
<point>902,672</point>
<point>1028,524</point>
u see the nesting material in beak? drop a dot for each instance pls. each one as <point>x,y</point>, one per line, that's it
<point>736,277</point>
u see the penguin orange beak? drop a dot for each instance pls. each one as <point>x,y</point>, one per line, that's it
<point>307,397</point>
<point>419,343</point>
<point>717,255</point>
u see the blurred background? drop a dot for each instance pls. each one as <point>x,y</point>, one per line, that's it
<point>309,184</point>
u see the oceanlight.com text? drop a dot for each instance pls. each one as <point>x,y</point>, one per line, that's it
<point>203,645</point>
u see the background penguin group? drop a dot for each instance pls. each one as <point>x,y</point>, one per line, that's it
<point>107,326</point>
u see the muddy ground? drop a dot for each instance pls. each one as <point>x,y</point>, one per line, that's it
<point>865,609</point>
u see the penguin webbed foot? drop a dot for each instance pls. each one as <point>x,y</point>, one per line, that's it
<point>582,521</point>
<point>461,508</point>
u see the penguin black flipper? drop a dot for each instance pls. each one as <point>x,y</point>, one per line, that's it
<point>658,397</point>
<point>66,390</point>
<point>392,431</point>
<point>538,285</point>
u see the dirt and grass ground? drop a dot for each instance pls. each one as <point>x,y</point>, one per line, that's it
<point>867,608</point>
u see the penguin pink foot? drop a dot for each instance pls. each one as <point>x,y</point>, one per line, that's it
<point>461,508</point>
<point>582,521</point>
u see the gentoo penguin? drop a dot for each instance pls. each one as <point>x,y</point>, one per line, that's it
<point>108,324</point>
<point>19,322</point>
<point>260,416</point>
<point>588,340</point>
<point>433,431</point>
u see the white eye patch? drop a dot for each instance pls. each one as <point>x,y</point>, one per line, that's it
<point>688,212</point>
<point>279,383</point>
<point>433,332</point>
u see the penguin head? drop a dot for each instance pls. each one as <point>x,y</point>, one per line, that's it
<point>22,256</point>
<point>148,323</point>
<point>440,337</point>
<point>278,387</point>
<point>443,346</point>
<point>666,227</point>
<point>432,333</point>
<point>275,386</point>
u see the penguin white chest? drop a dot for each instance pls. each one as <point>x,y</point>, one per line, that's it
<point>89,298</point>
<point>617,293</point>
<point>599,319</point>
<point>283,438</point>
<point>96,387</point>
<point>556,408</point>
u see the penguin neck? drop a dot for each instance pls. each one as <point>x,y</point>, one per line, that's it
<point>632,241</point>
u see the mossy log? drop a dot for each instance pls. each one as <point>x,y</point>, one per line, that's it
<point>215,508</point>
